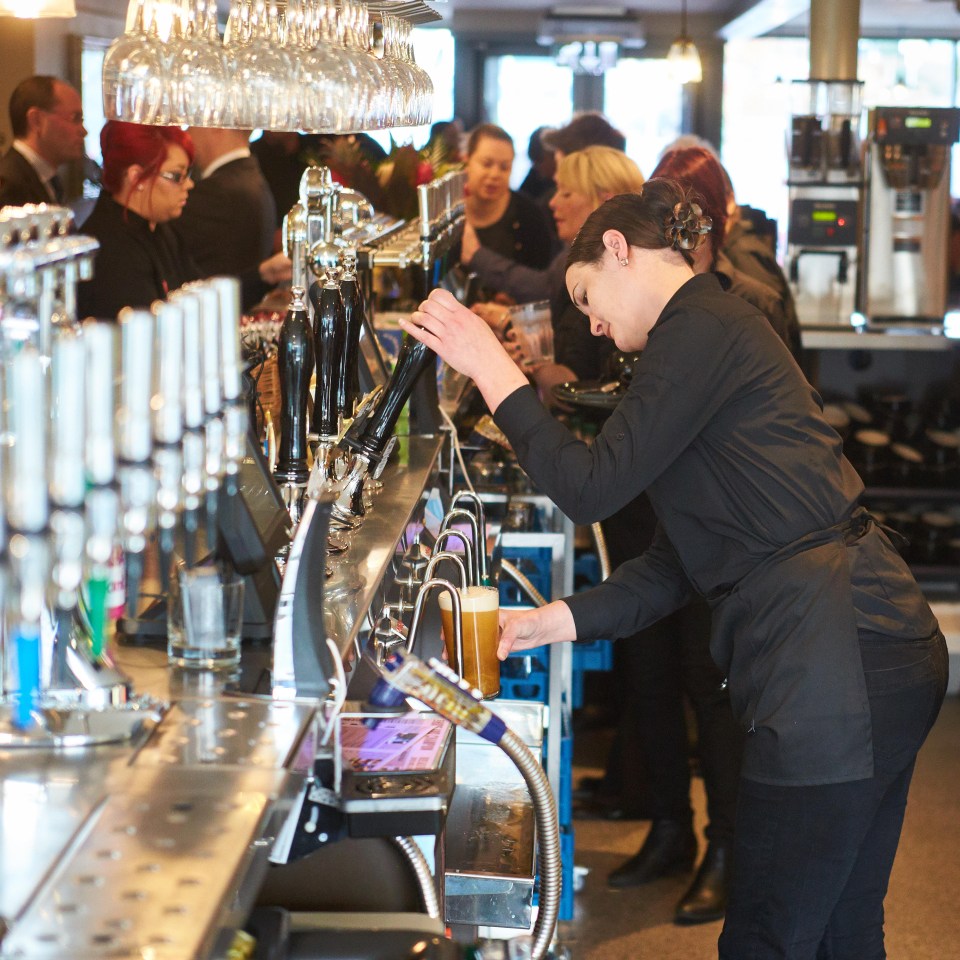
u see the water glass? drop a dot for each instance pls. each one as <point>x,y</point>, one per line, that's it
<point>534,329</point>
<point>204,618</point>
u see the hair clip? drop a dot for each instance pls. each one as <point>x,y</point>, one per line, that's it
<point>687,227</point>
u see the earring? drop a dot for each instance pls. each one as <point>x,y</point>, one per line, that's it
<point>623,261</point>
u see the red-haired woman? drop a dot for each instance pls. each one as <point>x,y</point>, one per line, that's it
<point>146,179</point>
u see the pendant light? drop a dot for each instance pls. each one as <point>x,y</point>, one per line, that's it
<point>37,9</point>
<point>683,56</point>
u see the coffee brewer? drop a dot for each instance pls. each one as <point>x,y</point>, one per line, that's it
<point>902,275</point>
<point>825,180</point>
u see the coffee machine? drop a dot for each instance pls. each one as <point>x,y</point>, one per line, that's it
<point>825,182</point>
<point>902,275</point>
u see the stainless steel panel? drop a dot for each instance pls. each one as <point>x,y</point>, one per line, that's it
<point>153,869</point>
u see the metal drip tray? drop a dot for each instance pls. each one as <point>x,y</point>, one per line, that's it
<point>150,870</point>
<point>244,733</point>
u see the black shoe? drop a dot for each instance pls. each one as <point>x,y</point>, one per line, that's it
<point>706,900</point>
<point>670,848</point>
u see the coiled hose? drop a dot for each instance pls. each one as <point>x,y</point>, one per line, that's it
<point>548,835</point>
<point>428,892</point>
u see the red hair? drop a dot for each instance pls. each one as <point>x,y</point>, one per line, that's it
<point>125,144</point>
<point>698,168</point>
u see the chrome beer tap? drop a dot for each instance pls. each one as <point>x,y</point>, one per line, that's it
<point>194,446</point>
<point>102,507</point>
<point>234,404</point>
<point>213,428</point>
<point>354,310</point>
<point>441,542</point>
<point>428,587</point>
<point>295,362</point>
<point>472,497</point>
<point>445,524</point>
<point>167,407</point>
<point>135,444</point>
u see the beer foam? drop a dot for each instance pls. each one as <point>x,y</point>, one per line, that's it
<point>475,599</point>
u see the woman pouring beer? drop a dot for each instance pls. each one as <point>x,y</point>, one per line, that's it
<point>835,664</point>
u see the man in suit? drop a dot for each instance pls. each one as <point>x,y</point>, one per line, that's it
<point>228,221</point>
<point>46,117</point>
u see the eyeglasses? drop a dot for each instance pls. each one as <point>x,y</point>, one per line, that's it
<point>174,176</point>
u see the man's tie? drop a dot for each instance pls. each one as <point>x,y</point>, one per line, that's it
<point>56,185</point>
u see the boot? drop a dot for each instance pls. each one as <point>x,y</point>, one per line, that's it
<point>670,848</point>
<point>706,899</point>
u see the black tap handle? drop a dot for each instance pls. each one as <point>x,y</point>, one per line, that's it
<point>371,436</point>
<point>294,367</point>
<point>353,308</point>
<point>328,327</point>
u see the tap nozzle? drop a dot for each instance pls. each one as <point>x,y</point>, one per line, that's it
<point>471,496</point>
<point>470,517</point>
<point>447,555</point>
<point>442,539</point>
<point>425,591</point>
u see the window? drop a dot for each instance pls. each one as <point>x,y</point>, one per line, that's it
<point>628,86</point>
<point>523,93</point>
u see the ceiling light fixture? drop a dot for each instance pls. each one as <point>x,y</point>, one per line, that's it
<point>37,9</point>
<point>683,56</point>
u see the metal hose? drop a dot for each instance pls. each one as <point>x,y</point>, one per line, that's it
<point>523,582</point>
<point>548,836</point>
<point>600,541</point>
<point>428,892</point>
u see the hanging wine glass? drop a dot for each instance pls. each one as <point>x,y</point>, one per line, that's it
<point>197,72</point>
<point>133,75</point>
<point>370,104</point>
<point>397,77</point>
<point>259,65</point>
<point>324,72</point>
<point>423,107</point>
<point>235,36</point>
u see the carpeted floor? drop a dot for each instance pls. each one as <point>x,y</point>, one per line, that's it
<point>923,905</point>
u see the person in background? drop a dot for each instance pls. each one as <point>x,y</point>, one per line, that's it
<point>46,117</point>
<point>588,129</point>
<point>146,181</point>
<point>584,180</point>
<point>835,664</point>
<point>228,223</point>
<point>449,133</point>
<point>505,221</point>
<point>280,156</point>
<point>539,181</point>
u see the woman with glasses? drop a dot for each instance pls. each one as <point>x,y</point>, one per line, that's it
<point>146,179</point>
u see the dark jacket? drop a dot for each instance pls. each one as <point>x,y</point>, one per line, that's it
<point>227,225</point>
<point>19,182</point>
<point>134,265</point>
<point>522,234</point>
<point>758,513</point>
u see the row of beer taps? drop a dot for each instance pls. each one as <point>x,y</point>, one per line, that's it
<point>332,236</point>
<point>109,432</point>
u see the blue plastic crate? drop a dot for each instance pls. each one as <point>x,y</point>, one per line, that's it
<point>535,564</point>
<point>593,655</point>
<point>567,873</point>
<point>526,675</point>
<point>565,787</point>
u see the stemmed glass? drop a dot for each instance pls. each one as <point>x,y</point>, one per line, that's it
<point>326,89</point>
<point>197,70</point>
<point>370,106</point>
<point>134,72</point>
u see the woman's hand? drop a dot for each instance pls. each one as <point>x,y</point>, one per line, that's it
<point>276,269</point>
<point>467,344</point>
<point>525,629</point>
<point>469,245</point>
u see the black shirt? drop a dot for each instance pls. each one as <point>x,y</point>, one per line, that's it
<point>134,265</point>
<point>758,512</point>
<point>522,234</point>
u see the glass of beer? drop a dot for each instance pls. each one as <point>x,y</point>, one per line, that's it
<point>480,608</point>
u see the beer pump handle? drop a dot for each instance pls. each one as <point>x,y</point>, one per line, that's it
<point>26,487</point>
<point>234,408</point>
<point>328,328</point>
<point>67,447</point>
<point>212,401</point>
<point>354,309</point>
<point>294,366</point>
<point>371,437</point>
<point>194,453</point>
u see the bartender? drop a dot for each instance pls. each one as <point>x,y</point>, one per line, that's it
<point>835,664</point>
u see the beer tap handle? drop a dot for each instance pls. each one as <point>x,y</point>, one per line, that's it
<point>194,453</point>
<point>101,498</point>
<point>328,328</point>
<point>167,406</point>
<point>28,513</point>
<point>295,364</point>
<point>354,310</point>
<point>212,402</point>
<point>135,444</point>
<point>370,438</point>
<point>235,410</point>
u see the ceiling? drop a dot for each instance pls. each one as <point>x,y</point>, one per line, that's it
<point>897,18</point>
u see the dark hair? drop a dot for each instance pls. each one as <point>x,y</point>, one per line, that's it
<point>589,129</point>
<point>646,219</point>
<point>536,148</point>
<point>39,91</point>
<point>125,144</point>
<point>490,130</point>
<point>698,168</point>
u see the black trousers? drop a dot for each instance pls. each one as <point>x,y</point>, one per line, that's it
<point>656,668</point>
<point>812,863</point>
